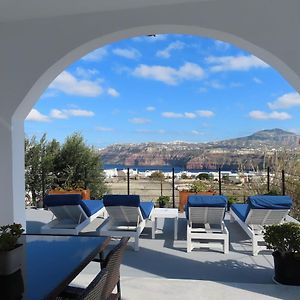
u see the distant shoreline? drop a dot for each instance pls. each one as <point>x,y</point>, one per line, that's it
<point>163,168</point>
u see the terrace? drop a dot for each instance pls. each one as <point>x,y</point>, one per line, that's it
<point>162,268</point>
<point>34,50</point>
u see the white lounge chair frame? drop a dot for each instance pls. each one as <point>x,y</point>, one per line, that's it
<point>199,227</point>
<point>69,219</point>
<point>124,221</point>
<point>255,221</point>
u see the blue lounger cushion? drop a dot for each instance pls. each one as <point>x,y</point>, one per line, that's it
<point>89,206</point>
<point>205,201</point>
<point>129,200</point>
<point>241,210</point>
<point>261,202</point>
<point>270,202</point>
<point>121,200</point>
<point>146,208</point>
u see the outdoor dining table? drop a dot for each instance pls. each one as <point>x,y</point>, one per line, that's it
<point>50,263</point>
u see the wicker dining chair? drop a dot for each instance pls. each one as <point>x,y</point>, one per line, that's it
<point>94,291</point>
<point>112,263</point>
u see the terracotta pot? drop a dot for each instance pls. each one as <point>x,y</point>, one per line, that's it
<point>85,194</point>
<point>183,196</point>
<point>11,261</point>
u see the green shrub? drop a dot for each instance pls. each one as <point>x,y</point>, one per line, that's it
<point>163,200</point>
<point>9,235</point>
<point>283,237</point>
<point>198,186</point>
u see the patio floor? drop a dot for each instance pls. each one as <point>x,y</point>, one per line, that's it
<point>162,269</point>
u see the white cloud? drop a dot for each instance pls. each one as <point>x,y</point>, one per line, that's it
<point>197,132</point>
<point>220,45</point>
<point>86,73</point>
<point>169,75</point>
<point>188,115</point>
<point>257,80</point>
<point>95,55</point>
<point>35,115</point>
<point>66,113</point>
<point>274,115</point>
<point>286,101</point>
<point>139,120</point>
<point>112,92</point>
<point>215,84</point>
<point>205,113</point>
<point>150,108</point>
<point>166,53</point>
<point>130,53</point>
<point>79,112</point>
<point>235,63</point>
<point>104,129</point>
<point>58,114</point>
<point>150,38</point>
<point>68,84</point>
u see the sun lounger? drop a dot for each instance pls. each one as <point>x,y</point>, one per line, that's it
<point>71,213</point>
<point>260,210</point>
<point>205,222</point>
<point>127,216</point>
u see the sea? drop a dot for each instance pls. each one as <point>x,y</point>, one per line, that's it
<point>162,168</point>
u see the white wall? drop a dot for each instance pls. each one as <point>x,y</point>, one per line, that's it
<point>33,52</point>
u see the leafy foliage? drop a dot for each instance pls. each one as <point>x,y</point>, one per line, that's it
<point>157,175</point>
<point>73,165</point>
<point>284,238</point>
<point>163,200</point>
<point>198,186</point>
<point>9,235</point>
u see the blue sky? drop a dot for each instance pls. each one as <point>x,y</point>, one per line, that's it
<point>165,88</point>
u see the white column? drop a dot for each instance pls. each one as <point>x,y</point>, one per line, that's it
<point>12,187</point>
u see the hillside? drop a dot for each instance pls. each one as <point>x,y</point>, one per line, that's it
<point>229,154</point>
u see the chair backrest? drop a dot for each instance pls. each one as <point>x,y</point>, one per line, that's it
<point>267,209</point>
<point>123,209</point>
<point>95,289</point>
<point>112,263</point>
<point>206,209</point>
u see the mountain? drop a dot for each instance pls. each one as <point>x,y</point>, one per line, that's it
<point>229,154</point>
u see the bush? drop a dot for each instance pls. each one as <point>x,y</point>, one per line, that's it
<point>284,238</point>
<point>9,235</point>
<point>163,200</point>
<point>198,187</point>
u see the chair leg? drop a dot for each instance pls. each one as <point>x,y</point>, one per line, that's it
<point>226,244</point>
<point>136,243</point>
<point>119,290</point>
<point>188,239</point>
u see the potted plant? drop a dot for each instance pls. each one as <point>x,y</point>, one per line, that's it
<point>10,250</point>
<point>163,201</point>
<point>284,239</point>
<point>197,187</point>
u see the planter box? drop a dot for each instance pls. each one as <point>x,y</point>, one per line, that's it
<point>183,196</point>
<point>85,194</point>
<point>11,261</point>
<point>287,268</point>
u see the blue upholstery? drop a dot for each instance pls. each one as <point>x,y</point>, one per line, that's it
<point>89,206</point>
<point>205,201</point>
<point>261,202</point>
<point>129,200</point>
<point>270,202</point>
<point>121,200</point>
<point>146,208</point>
<point>241,210</point>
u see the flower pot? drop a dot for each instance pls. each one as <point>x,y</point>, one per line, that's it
<point>183,196</point>
<point>85,194</point>
<point>11,261</point>
<point>287,268</point>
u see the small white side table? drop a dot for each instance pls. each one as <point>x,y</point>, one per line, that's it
<point>170,213</point>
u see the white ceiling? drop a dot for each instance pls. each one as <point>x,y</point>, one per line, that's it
<point>17,10</point>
